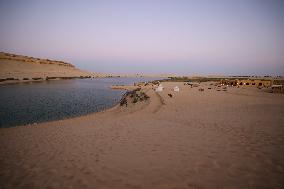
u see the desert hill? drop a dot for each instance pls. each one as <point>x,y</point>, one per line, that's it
<point>15,68</point>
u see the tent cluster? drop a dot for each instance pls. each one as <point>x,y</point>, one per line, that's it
<point>160,88</point>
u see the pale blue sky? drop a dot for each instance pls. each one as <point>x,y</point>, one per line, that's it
<point>155,36</point>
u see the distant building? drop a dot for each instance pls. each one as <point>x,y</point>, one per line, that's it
<point>229,82</point>
<point>277,88</point>
<point>248,82</point>
<point>278,81</point>
<point>255,82</point>
<point>276,84</point>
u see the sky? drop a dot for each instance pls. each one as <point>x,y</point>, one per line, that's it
<point>186,37</point>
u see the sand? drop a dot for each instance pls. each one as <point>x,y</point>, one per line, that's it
<point>209,139</point>
<point>24,69</point>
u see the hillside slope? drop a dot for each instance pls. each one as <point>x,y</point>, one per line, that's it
<point>29,68</point>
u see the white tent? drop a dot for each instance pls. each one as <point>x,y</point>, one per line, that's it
<point>159,88</point>
<point>176,89</point>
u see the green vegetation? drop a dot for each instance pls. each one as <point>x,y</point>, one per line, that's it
<point>37,78</point>
<point>199,79</point>
<point>178,79</point>
<point>81,77</point>
<point>8,79</point>
<point>136,96</point>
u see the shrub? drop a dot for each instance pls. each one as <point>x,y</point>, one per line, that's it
<point>36,78</point>
<point>135,99</point>
<point>123,101</point>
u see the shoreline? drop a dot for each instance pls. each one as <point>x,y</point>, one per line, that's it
<point>17,81</point>
<point>51,122</point>
<point>112,87</point>
<point>113,107</point>
<point>132,88</point>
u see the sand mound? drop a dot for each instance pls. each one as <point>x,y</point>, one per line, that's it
<point>17,67</point>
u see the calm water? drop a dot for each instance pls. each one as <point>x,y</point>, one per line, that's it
<point>52,100</point>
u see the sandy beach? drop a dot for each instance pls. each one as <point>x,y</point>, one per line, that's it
<point>195,139</point>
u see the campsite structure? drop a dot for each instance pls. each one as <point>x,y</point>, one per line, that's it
<point>176,89</point>
<point>159,88</point>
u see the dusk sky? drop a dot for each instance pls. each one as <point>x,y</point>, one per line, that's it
<point>231,37</point>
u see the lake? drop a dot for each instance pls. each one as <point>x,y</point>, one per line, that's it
<point>28,103</point>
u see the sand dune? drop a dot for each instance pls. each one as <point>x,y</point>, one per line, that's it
<point>209,139</point>
<point>24,68</point>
